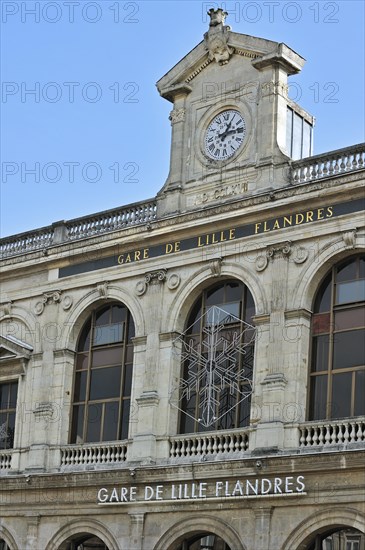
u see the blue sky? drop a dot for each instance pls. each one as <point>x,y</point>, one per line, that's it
<point>95,133</point>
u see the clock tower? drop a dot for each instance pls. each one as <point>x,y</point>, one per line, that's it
<point>232,120</point>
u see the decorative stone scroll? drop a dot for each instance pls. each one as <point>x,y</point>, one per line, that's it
<point>298,254</point>
<point>53,297</point>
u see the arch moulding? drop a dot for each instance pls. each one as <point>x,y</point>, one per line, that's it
<point>7,537</point>
<point>89,301</point>
<point>195,284</point>
<point>193,526</point>
<point>79,526</point>
<point>311,278</point>
<point>303,534</point>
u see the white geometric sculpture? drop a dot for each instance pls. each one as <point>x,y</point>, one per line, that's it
<point>213,365</point>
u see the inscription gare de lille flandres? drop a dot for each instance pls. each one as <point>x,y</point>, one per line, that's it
<point>229,234</point>
<point>201,241</point>
<point>248,488</point>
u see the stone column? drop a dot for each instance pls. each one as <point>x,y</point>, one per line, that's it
<point>262,528</point>
<point>136,531</point>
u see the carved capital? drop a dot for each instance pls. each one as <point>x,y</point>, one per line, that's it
<point>281,250</point>
<point>177,115</point>
<point>53,297</point>
<point>155,277</point>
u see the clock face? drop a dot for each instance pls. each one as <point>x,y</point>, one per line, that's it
<point>225,135</point>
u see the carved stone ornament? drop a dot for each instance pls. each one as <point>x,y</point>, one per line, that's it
<point>67,302</point>
<point>173,281</point>
<point>349,238</point>
<point>282,250</point>
<point>140,288</point>
<point>177,115</point>
<point>216,39</point>
<point>103,289</point>
<point>158,276</point>
<point>44,410</point>
<point>261,262</point>
<point>216,267</point>
<point>300,254</point>
<point>53,297</point>
<point>6,308</point>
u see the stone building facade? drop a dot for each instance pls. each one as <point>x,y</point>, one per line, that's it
<point>187,372</point>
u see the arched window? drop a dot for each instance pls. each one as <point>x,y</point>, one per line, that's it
<point>337,378</point>
<point>103,376</point>
<point>215,388</point>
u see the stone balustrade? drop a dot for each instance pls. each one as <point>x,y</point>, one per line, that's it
<point>332,432</point>
<point>79,228</point>
<point>209,444</point>
<point>329,164</point>
<point>5,460</point>
<point>306,170</point>
<point>98,453</point>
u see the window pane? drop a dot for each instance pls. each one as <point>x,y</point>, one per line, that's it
<point>323,299</point>
<point>80,386</point>
<point>77,424</point>
<point>341,395</point>
<point>119,314</point>
<point>297,137</point>
<point>320,353</point>
<point>13,395</point>
<point>318,397</point>
<point>131,329</point>
<point>350,292</point>
<point>233,292</point>
<point>347,271</point>
<point>125,418</point>
<point>289,130</point>
<point>349,349</point>
<point>223,314</point>
<point>127,380</point>
<point>307,130</point>
<point>215,296</point>
<point>105,383</point>
<point>84,341</point>
<point>321,323</point>
<point>94,422</point>
<point>108,334</point>
<point>244,416</point>
<point>250,308</point>
<point>107,356</point>
<point>10,431</point>
<point>187,424</point>
<point>362,268</point>
<point>111,416</point>
<point>350,318</point>
<point>4,396</point>
<point>359,409</point>
<point>82,361</point>
<point>103,316</point>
